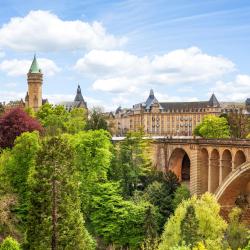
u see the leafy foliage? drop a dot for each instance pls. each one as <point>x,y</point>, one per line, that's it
<point>54,219</point>
<point>121,222</point>
<point>13,124</point>
<point>236,233</point>
<point>161,193</point>
<point>8,221</point>
<point>57,120</point>
<point>10,244</point>
<point>20,162</point>
<point>182,193</point>
<point>97,120</point>
<point>189,227</point>
<point>132,165</point>
<point>92,160</point>
<point>15,165</point>
<point>239,123</point>
<point>2,109</point>
<point>213,127</point>
<point>210,228</point>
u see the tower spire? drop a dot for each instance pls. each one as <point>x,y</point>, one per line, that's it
<point>79,96</point>
<point>34,68</point>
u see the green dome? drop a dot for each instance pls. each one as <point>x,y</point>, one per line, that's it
<point>34,68</point>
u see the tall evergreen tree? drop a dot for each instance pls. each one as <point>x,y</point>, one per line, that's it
<point>132,164</point>
<point>55,221</point>
<point>190,227</point>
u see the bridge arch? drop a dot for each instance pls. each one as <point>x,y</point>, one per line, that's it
<point>214,170</point>
<point>226,164</point>
<point>204,162</point>
<point>239,158</point>
<point>235,184</point>
<point>179,163</point>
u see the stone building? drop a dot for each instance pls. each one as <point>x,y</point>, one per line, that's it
<point>33,97</point>
<point>163,118</point>
<point>78,102</point>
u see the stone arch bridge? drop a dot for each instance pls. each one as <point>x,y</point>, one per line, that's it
<point>219,166</point>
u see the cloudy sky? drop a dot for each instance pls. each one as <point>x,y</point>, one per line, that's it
<point>118,50</point>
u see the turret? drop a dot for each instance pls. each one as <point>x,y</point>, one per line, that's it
<point>35,81</point>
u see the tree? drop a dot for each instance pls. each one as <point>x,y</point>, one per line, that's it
<point>120,222</point>
<point>211,226</point>
<point>52,118</point>
<point>236,233</point>
<point>239,123</point>
<point>57,120</point>
<point>15,165</point>
<point>22,159</point>
<point>8,220</point>
<point>189,227</point>
<point>97,120</point>
<point>1,108</point>
<point>132,164</point>
<point>10,244</point>
<point>76,121</point>
<point>54,219</point>
<point>13,124</point>
<point>182,193</point>
<point>213,127</point>
<point>92,155</point>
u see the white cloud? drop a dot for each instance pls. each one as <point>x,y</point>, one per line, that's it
<point>17,67</point>
<point>6,96</point>
<point>2,54</point>
<point>119,71</point>
<point>44,31</point>
<point>236,90</point>
<point>10,85</point>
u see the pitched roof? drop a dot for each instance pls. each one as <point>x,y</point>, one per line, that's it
<point>183,105</point>
<point>34,68</point>
<point>213,101</point>
<point>151,100</point>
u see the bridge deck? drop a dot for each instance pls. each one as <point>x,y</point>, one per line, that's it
<point>192,140</point>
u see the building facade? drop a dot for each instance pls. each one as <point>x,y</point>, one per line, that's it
<point>163,118</point>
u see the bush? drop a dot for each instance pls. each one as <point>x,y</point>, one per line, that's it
<point>10,244</point>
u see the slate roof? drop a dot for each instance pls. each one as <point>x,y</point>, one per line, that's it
<point>212,102</point>
<point>174,106</point>
<point>184,105</point>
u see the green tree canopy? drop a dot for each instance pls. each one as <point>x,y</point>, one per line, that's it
<point>132,165</point>
<point>57,120</point>
<point>96,120</point>
<point>237,233</point>
<point>213,127</point>
<point>182,193</point>
<point>123,223</point>
<point>15,166</point>
<point>210,228</point>
<point>55,220</point>
<point>92,159</point>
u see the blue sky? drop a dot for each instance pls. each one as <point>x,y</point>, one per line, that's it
<point>118,50</point>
